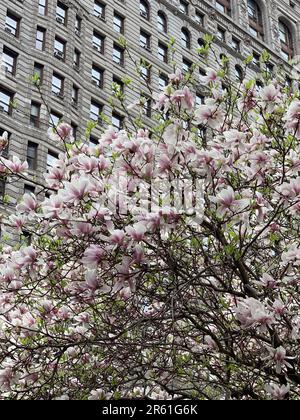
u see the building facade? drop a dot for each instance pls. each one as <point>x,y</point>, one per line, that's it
<point>73,47</point>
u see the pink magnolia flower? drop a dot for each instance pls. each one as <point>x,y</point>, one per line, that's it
<point>279,358</point>
<point>251,313</point>
<point>17,221</point>
<point>211,76</point>
<point>183,98</point>
<point>55,176</point>
<point>93,256</point>
<point>52,207</point>
<point>270,97</point>
<point>176,77</point>
<point>76,190</point>
<point>292,255</point>
<point>278,392</point>
<point>117,237</point>
<point>82,229</point>
<point>28,204</point>
<point>26,257</point>
<point>3,140</point>
<point>7,378</point>
<point>292,119</point>
<point>227,202</point>
<point>268,281</point>
<point>63,132</point>
<point>137,231</point>
<point>209,114</point>
<point>16,166</point>
<point>86,163</point>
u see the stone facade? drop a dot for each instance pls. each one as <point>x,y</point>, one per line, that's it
<point>198,17</point>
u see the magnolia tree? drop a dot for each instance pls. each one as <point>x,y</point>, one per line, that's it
<point>165,262</point>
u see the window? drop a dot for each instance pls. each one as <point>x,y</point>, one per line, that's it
<point>236,45</point>
<point>60,48</point>
<point>43,7</point>
<point>75,95</point>
<point>117,121</point>
<point>185,38</point>
<point>2,188</point>
<point>38,72</point>
<point>58,85</point>
<point>6,99</point>
<point>32,152</point>
<point>74,130</point>
<point>40,38</point>
<point>76,59</point>
<point>162,23</point>
<point>54,119</point>
<point>93,142</point>
<point>9,60</point>
<point>97,76</point>
<point>35,111</point>
<point>52,158</point>
<point>224,6</point>
<point>221,34</point>
<point>145,69</point>
<point>163,52</point>
<point>99,10</point>
<point>286,40</point>
<point>119,84</point>
<point>95,111</point>
<point>239,74</point>
<point>118,55</point>
<point>200,99</point>
<point>270,69</point>
<point>199,18</point>
<point>29,189</point>
<point>61,13</point>
<point>78,25</point>
<point>147,105</point>
<point>184,7</point>
<point>119,23</point>
<point>145,40</point>
<point>98,42</point>
<point>186,65</point>
<point>255,19</point>
<point>145,9</point>
<point>163,81</point>
<point>12,24</point>
<point>256,58</point>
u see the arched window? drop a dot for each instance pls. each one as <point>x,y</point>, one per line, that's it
<point>286,40</point>
<point>162,22</point>
<point>145,9</point>
<point>224,6</point>
<point>255,19</point>
<point>239,74</point>
<point>185,38</point>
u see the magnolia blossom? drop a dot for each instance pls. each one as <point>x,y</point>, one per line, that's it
<point>227,203</point>
<point>183,99</point>
<point>3,140</point>
<point>270,97</point>
<point>279,358</point>
<point>278,392</point>
<point>252,312</point>
<point>28,204</point>
<point>16,166</point>
<point>211,76</point>
<point>62,132</point>
<point>93,255</point>
<point>292,119</point>
<point>209,114</point>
